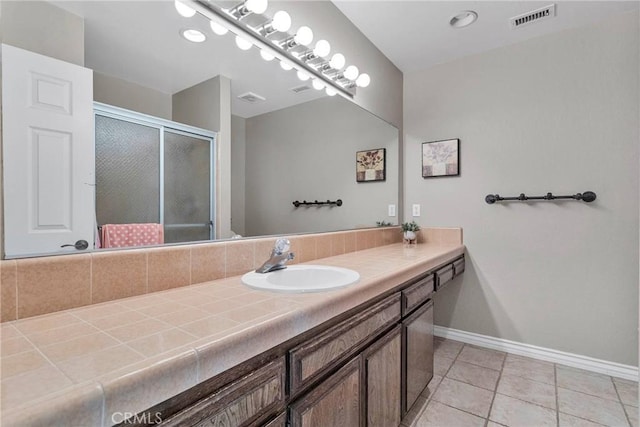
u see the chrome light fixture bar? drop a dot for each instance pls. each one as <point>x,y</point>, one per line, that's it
<point>323,72</point>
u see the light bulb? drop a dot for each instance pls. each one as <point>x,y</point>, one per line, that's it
<point>242,43</point>
<point>256,6</point>
<point>183,9</point>
<point>217,28</point>
<point>266,55</point>
<point>193,35</point>
<point>304,36</point>
<point>363,80</point>
<point>337,61</point>
<point>303,76</point>
<point>281,21</point>
<point>285,65</point>
<point>322,48</point>
<point>317,84</point>
<point>331,92</point>
<point>351,72</point>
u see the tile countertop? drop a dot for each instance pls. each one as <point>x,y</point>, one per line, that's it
<point>89,366</point>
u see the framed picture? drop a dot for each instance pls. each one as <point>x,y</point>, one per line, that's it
<point>371,165</point>
<point>441,158</point>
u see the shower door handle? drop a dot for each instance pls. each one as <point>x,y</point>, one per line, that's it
<point>80,245</point>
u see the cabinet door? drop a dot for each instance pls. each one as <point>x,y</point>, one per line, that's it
<point>382,362</point>
<point>337,401</point>
<point>418,353</point>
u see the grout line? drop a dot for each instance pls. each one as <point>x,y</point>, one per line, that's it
<point>495,392</point>
<point>626,414</point>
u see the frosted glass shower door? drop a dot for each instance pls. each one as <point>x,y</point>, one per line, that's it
<point>152,170</point>
<point>187,187</point>
<point>127,172</point>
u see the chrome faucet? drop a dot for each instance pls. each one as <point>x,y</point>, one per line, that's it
<point>279,256</point>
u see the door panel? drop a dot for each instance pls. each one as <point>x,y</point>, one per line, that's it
<point>47,126</point>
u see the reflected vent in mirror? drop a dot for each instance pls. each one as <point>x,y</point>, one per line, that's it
<point>251,97</point>
<point>300,89</point>
<point>533,16</point>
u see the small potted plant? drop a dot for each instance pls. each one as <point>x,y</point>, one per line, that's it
<point>409,229</point>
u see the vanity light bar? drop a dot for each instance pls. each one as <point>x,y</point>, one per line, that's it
<point>254,35</point>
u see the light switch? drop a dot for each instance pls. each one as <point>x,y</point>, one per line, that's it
<point>416,210</point>
<point>392,210</point>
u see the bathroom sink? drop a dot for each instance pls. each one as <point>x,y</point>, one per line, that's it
<point>302,278</point>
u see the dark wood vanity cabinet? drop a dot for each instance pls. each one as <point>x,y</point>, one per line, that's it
<point>417,361</point>
<point>383,380</point>
<point>337,401</point>
<point>366,368</point>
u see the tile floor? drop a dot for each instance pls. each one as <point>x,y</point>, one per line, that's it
<point>473,386</point>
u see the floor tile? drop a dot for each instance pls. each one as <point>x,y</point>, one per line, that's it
<point>439,415</point>
<point>592,408</point>
<point>528,390</point>
<point>513,412</point>
<point>628,391</point>
<point>474,375</point>
<point>586,382</point>
<point>567,420</point>
<point>464,396</point>
<point>441,365</point>
<point>482,357</point>
<point>532,369</point>
<point>447,348</point>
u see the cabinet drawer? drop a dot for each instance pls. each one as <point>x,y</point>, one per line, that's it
<point>417,293</point>
<point>458,267</point>
<point>311,358</point>
<point>443,276</point>
<point>241,403</point>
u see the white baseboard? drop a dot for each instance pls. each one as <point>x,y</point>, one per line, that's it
<point>569,359</point>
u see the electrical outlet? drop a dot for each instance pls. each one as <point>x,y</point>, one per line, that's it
<point>416,210</point>
<point>392,210</point>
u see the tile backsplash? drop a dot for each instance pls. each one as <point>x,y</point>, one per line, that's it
<point>34,286</point>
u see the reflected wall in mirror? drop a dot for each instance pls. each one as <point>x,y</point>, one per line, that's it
<point>296,144</point>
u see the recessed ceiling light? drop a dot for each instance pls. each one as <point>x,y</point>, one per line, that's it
<point>463,19</point>
<point>193,35</point>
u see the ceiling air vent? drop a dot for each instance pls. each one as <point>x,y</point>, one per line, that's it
<point>251,97</point>
<point>533,16</point>
<point>299,89</point>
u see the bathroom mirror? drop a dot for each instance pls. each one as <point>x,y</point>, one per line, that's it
<point>287,141</point>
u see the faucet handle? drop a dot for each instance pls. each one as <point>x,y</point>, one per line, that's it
<point>282,245</point>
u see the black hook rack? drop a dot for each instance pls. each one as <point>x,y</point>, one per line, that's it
<point>317,203</point>
<point>587,196</point>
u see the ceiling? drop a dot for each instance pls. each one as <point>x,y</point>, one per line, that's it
<point>416,35</point>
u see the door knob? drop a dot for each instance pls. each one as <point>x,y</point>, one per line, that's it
<point>79,245</point>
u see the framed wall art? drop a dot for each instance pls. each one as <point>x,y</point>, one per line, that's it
<point>441,158</point>
<point>371,165</point>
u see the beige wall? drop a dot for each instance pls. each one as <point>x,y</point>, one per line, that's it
<point>557,113</point>
<point>207,105</point>
<point>22,23</point>
<point>121,93</point>
<point>291,155</point>
<point>238,170</point>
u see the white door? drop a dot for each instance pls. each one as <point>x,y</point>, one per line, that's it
<point>48,155</point>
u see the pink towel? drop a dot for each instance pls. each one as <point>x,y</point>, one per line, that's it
<point>126,235</point>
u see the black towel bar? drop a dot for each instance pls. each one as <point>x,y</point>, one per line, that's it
<point>317,203</point>
<point>587,196</point>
